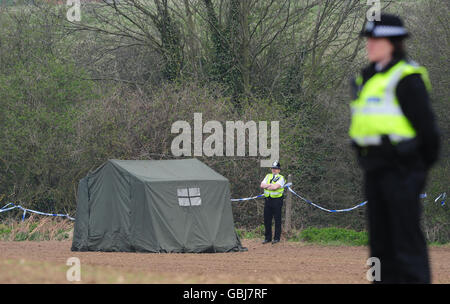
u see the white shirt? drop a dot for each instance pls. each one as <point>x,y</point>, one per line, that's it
<point>280,181</point>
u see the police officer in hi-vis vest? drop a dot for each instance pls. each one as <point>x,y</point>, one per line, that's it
<point>396,139</point>
<point>273,185</point>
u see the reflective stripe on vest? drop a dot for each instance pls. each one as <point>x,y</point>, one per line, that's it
<point>273,193</point>
<point>377,112</point>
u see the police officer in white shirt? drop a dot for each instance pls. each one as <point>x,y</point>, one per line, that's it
<point>273,185</point>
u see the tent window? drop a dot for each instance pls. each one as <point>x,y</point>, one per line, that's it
<point>184,201</point>
<point>189,197</point>
<point>196,201</point>
<point>182,192</point>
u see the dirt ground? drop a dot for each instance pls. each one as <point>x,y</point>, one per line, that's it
<point>286,262</point>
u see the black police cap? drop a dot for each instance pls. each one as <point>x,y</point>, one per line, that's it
<point>389,26</point>
<point>276,165</point>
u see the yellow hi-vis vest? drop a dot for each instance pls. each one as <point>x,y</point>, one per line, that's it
<point>376,111</point>
<point>270,180</point>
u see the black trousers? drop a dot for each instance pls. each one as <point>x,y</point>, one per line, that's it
<point>272,210</point>
<point>395,235</point>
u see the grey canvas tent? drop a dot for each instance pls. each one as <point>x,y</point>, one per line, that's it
<point>154,206</point>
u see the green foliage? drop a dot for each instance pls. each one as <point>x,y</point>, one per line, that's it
<point>40,94</point>
<point>4,231</point>
<point>20,236</point>
<point>255,233</point>
<point>36,229</point>
<point>171,43</point>
<point>333,236</point>
<point>436,221</point>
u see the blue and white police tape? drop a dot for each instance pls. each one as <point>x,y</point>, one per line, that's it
<point>25,210</point>
<point>246,198</point>
<point>288,186</point>
<point>5,208</point>
<point>442,196</point>
<point>325,209</point>
<point>254,197</point>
